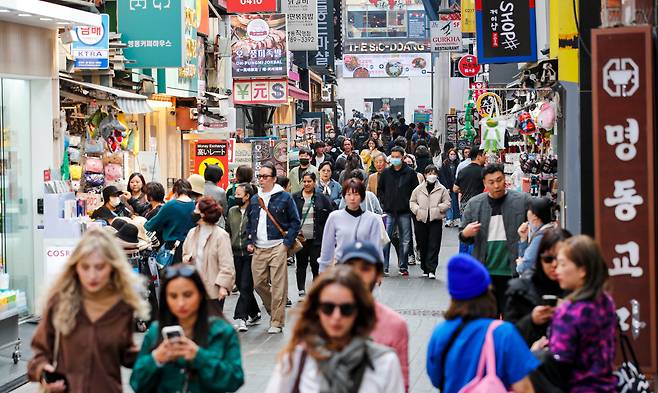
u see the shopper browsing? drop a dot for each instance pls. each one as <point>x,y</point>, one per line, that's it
<point>540,219</point>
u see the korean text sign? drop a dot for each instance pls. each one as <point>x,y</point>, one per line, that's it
<point>153,31</point>
<point>506,31</point>
<point>302,23</point>
<point>259,46</point>
<point>92,47</point>
<point>622,80</point>
<point>323,59</point>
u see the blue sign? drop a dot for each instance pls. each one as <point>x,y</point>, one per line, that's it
<point>91,48</point>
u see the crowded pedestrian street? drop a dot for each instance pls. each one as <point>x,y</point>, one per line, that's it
<point>328,196</point>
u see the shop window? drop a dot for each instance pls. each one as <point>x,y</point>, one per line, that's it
<point>378,23</point>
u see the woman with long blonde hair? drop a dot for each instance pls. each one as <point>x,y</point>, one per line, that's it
<point>85,333</point>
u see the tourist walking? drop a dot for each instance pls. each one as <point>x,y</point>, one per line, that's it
<point>243,174</point>
<point>540,218</point>
<point>328,186</point>
<point>297,172</point>
<point>447,176</point>
<point>213,175</point>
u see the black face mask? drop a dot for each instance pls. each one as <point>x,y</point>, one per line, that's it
<point>196,217</point>
<point>304,161</point>
<point>244,202</point>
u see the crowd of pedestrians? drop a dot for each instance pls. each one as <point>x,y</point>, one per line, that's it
<point>529,309</point>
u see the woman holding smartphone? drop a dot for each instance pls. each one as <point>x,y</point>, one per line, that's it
<point>186,350</point>
<point>86,331</point>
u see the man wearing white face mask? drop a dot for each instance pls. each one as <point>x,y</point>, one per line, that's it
<point>112,206</point>
<point>429,203</point>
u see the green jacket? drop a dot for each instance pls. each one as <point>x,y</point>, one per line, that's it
<point>236,226</point>
<point>216,368</point>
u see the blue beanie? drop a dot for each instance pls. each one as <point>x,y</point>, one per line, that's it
<point>467,277</point>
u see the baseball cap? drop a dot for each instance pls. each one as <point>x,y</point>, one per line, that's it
<point>362,250</point>
<point>110,191</point>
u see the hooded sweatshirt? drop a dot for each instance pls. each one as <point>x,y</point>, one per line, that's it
<point>261,232</point>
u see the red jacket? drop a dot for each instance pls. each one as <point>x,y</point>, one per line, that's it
<point>391,330</point>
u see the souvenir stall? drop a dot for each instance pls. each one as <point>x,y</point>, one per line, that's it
<point>516,127</point>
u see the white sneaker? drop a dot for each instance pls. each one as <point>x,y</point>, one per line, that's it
<point>253,321</point>
<point>242,326</point>
<point>448,223</point>
<point>301,293</point>
<point>432,276</point>
<point>425,275</point>
<point>274,330</point>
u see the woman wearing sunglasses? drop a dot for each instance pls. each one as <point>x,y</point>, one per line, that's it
<point>204,358</point>
<point>531,298</point>
<point>330,350</point>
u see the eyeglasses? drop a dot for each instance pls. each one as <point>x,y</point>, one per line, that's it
<point>547,258</point>
<point>263,176</point>
<point>181,270</point>
<point>346,309</point>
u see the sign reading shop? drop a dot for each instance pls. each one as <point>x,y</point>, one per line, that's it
<point>506,31</point>
<point>354,46</point>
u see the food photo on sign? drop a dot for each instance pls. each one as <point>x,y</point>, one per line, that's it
<point>258,45</point>
<point>390,65</point>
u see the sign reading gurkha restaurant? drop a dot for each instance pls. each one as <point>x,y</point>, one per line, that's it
<point>623,135</point>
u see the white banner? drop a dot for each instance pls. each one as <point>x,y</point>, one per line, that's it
<point>445,35</point>
<point>389,65</point>
<point>302,21</point>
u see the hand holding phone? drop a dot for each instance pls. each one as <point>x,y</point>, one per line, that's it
<point>53,381</point>
<point>549,300</point>
<point>172,332</point>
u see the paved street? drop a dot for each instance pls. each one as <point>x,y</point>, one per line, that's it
<point>419,300</point>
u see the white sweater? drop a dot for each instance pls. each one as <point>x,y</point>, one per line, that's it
<point>385,378</point>
<point>341,231</point>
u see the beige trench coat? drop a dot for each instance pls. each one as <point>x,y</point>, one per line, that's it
<point>217,269</point>
<point>437,203</point>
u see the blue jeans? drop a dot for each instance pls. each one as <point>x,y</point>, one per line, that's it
<point>454,212</point>
<point>403,224</point>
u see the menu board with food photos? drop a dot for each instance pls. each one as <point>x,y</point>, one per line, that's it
<point>390,65</point>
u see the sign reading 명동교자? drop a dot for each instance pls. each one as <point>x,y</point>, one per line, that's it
<point>302,24</point>
<point>624,148</point>
<point>506,31</point>
<point>92,47</point>
<point>259,45</point>
<point>260,91</point>
<point>158,43</point>
<point>446,35</point>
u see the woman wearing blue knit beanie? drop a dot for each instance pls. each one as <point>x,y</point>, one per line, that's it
<point>456,344</point>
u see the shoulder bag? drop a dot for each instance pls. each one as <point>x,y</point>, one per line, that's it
<point>629,376</point>
<point>489,382</point>
<point>297,245</point>
<point>165,257</point>
<point>300,235</point>
<point>302,362</point>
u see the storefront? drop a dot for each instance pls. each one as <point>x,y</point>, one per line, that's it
<point>31,135</point>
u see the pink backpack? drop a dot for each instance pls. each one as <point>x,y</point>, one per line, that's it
<point>489,383</point>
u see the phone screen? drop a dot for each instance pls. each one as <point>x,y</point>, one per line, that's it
<point>173,334</point>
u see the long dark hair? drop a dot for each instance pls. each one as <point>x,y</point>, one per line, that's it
<point>586,253</point>
<point>141,177</point>
<point>167,318</point>
<point>542,208</point>
<point>308,325</point>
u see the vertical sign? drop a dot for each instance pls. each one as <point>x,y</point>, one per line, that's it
<point>213,152</point>
<point>468,16</point>
<point>92,47</point>
<point>446,34</point>
<point>158,43</point>
<point>323,59</point>
<point>624,145</point>
<point>302,24</point>
<point>506,31</point>
<point>259,45</point>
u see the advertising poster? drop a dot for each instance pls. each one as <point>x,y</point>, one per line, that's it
<point>311,128</point>
<point>210,152</point>
<point>242,156</point>
<point>506,31</point>
<point>391,65</point>
<point>446,35</point>
<point>92,47</point>
<point>249,6</point>
<point>302,24</point>
<point>258,46</point>
<point>270,150</point>
<point>416,25</point>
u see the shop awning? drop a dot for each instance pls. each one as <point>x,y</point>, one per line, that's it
<point>45,15</point>
<point>218,96</point>
<point>297,93</point>
<point>126,101</point>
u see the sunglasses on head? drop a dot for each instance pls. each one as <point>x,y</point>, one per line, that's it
<point>181,270</point>
<point>547,258</point>
<point>346,309</point>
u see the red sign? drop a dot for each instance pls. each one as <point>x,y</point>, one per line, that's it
<point>468,66</point>
<point>250,6</point>
<point>210,152</point>
<point>623,135</point>
<point>478,89</point>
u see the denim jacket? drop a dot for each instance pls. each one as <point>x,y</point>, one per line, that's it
<point>284,210</point>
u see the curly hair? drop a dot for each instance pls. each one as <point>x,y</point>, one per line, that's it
<point>210,209</point>
<point>65,295</point>
<point>308,325</point>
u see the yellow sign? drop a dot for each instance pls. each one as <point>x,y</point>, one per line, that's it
<point>489,104</point>
<point>210,161</point>
<point>468,16</point>
<point>564,39</point>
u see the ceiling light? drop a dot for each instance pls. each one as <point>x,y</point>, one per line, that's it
<point>45,19</point>
<point>62,23</point>
<point>24,15</point>
<point>2,11</point>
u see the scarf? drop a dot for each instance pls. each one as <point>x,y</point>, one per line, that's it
<point>342,372</point>
<point>325,187</point>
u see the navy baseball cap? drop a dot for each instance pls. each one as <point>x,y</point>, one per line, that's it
<point>362,250</point>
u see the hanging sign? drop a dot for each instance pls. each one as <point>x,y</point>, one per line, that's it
<point>260,91</point>
<point>158,43</point>
<point>468,66</point>
<point>624,147</point>
<point>210,152</point>
<point>92,47</point>
<point>468,16</point>
<point>445,35</point>
<point>259,45</point>
<point>302,24</point>
<point>250,6</point>
<point>322,60</point>
<point>478,88</point>
<point>488,104</point>
<point>506,31</point>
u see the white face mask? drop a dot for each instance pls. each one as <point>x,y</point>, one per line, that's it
<point>431,178</point>
<point>115,201</point>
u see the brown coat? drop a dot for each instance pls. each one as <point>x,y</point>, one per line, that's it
<point>437,202</point>
<point>92,355</point>
<point>372,182</point>
<point>217,269</point>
